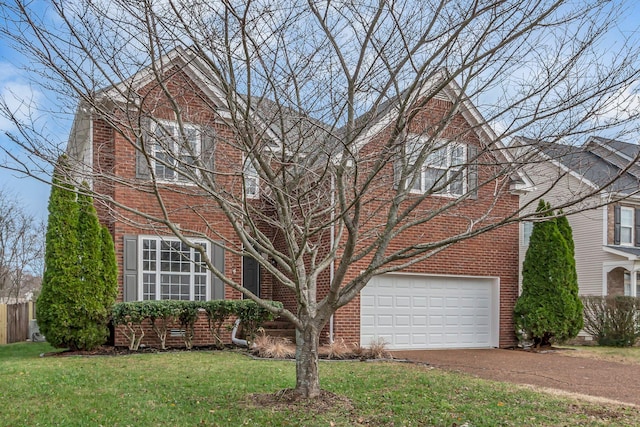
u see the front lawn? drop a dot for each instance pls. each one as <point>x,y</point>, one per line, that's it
<point>214,389</point>
<point>629,355</point>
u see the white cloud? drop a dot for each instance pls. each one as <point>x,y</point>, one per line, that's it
<point>18,100</point>
<point>621,106</point>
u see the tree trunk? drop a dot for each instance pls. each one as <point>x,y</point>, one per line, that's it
<point>307,380</point>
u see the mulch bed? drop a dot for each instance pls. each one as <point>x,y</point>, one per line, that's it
<point>107,350</point>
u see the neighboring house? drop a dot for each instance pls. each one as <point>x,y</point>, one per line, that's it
<point>461,297</point>
<point>604,177</point>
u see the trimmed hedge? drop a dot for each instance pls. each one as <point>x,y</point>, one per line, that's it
<point>613,320</point>
<point>161,314</point>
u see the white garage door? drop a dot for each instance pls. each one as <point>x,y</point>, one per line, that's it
<point>429,312</point>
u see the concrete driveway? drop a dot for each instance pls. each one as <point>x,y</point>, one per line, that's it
<point>554,370</point>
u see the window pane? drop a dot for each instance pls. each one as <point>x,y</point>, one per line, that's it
<point>148,255</point>
<point>175,286</point>
<point>412,147</point>
<point>456,186</point>
<point>457,155</point>
<point>626,217</point>
<point>149,286</point>
<point>432,177</point>
<point>200,287</point>
<point>164,162</point>
<point>437,158</point>
<point>417,185</point>
<point>625,235</point>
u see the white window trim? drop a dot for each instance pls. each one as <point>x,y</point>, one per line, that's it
<point>623,209</point>
<point>141,270</point>
<point>186,126</point>
<point>249,172</point>
<point>445,192</point>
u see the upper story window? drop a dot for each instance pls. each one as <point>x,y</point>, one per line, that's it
<point>251,180</point>
<point>626,226</point>
<point>172,269</point>
<point>175,149</point>
<point>449,169</point>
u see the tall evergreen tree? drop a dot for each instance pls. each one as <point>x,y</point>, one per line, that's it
<point>109,277</point>
<point>79,283</point>
<point>549,308</point>
<point>92,312</point>
<point>57,300</point>
<point>574,313</point>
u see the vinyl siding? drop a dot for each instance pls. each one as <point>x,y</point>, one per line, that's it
<point>586,222</point>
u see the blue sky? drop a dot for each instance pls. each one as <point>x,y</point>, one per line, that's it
<point>18,91</point>
<point>16,87</point>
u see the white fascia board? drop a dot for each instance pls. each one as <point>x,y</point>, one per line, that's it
<point>485,133</point>
<point>470,113</point>
<point>612,196</point>
<point>207,83</point>
<point>607,147</point>
<point>392,114</point>
<point>178,56</point>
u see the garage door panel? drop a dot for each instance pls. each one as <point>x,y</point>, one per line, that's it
<point>367,302</point>
<point>419,302</point>
<point>435,302</point>
<point>419,320</point>
<point>429,312</point>
<point>403,302</point>
<point>403,320</point>
<point>385,301</point>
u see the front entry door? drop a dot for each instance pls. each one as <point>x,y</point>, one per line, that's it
<point>251,275</point>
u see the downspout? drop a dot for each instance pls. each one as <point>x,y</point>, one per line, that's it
<point>237,341</point>
<point>332,240</point>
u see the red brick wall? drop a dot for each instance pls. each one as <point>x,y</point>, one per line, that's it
<point>492,254</point>
<point>115,156</point>
<point>201,338</point>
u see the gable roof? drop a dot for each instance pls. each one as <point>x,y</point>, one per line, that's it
<point>625,149</point>
<point>441,86</point>
<point>296,126</point>
<point>598,163</point>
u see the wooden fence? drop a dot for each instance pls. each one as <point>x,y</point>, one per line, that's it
<point>14,321</point>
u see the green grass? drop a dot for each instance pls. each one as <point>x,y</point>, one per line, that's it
<point>615,354</point>
<point>213,389</point>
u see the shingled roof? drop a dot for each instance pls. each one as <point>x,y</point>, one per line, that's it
<point>601,167</point>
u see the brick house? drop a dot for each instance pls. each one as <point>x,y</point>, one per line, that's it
<point>462,297</point>
<point>606,230</point>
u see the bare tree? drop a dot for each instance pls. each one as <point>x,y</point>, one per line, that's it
<point>21,248</point>
<point>334,109</point>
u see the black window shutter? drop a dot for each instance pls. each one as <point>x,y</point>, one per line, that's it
<point>636,214</point>
<point>397,172</point>
<point>144,145</point>
<point>472,170</point>
<point>130,264</point>
<point>217,286</point>
<point>208,148</point>
<point>616,225</point>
